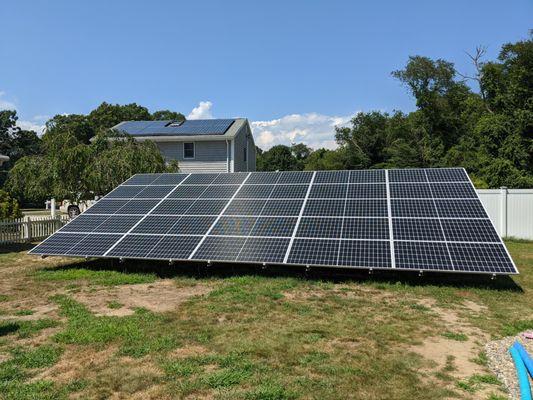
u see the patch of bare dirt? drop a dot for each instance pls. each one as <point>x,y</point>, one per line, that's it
<point>438,348</point>
<point>160,296</point>
<point>188,351</point>
<point>76,363</point>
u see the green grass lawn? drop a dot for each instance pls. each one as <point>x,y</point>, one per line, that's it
<point>76,329</point>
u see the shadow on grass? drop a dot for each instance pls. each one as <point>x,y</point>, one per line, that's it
<point>16,247</point>
<point>8,327</point>
<point>201,270</point>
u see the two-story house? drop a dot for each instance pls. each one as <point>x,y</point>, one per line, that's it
<point>207,145</point>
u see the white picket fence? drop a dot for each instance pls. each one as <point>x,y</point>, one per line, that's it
<point>29,228</point>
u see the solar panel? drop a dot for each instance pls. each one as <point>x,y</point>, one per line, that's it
<point>414,219</point>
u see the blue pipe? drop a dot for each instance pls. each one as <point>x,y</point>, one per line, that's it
<point>528,362</point>
<point>521,372</point>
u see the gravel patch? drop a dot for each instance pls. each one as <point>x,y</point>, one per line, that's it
<point>501,363</point>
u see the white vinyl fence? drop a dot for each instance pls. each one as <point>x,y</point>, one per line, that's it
<point>28,229</point>
<point>511,211</point>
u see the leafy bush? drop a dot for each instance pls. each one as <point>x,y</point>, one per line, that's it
<point>9,207</point>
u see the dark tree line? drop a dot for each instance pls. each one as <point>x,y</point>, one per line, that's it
<point>488,131</point>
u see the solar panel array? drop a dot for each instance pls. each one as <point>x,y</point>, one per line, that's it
<point>182,128</point>
<point>413,219</point>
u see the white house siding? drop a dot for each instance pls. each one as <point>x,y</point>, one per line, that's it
<point>190,167</point>
<point>244,139</point>
<point>203,150</point>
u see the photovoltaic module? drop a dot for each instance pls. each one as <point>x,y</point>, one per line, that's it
<point>408,219</point>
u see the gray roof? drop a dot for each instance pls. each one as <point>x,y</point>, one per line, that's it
<point>198,127</point>
<point>3,158</point>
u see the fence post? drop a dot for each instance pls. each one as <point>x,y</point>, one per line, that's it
<point>53,207</point>
<point>503,211</point>
<point>26,229</point>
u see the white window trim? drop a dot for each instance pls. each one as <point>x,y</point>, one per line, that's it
<point>193,151</point>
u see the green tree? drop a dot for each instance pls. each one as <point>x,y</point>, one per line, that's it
<point>107,115</point>
<point>279,157</point>
<point>9,207</point>
<point>163,115</point>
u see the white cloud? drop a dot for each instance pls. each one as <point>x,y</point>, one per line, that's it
<point>203,111</point>
<point>31,126</point>
<point>314,129</point>
<point>35,124</point>
<point>6,104</point>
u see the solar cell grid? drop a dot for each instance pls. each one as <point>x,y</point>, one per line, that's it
<point>324,208</point>
<point>173,207</point>
<point>469,230</point>
<point>333,191</point>
<point>413,208</point>
<point>220,248</point>
<point>139,207</point>
<point>472,257</point>
<point>93,245</point>
<point>319,228</point>
<point>156,224</point>
<point>365,254</point>
<point>169,179</point>
<point>125,192</point>
<point>417,229</point>
<point>369,191</point>
<point>458,190</point>
<point>446,175</point>
<point>105,206</point>
<point>282,207</point>
<point>263,178</point>
<point>255,191</point>
<point>270,250</point>
<point>314,252</point>
<point>226,179</point>
<point>134,246</point>
<point>274,226</point>
<point>245,207</point>
<point>188,191</point>
<point>289,191</point>
<point>58,244</point>
<point>366,208</point>
<point>192,225</point>
<point>407,175</point>
<point>174,247</point>
<point>295,177</point>
<point>422,256</point>
<point>219,191</point>
<point>437,221</point>
<point>410,191</point>
<point>332,177</point>
<point>362,228</point>
<point>460,209</point>
<point>142,179</point>
<point>367,176</point>
<point>154,192</point>
<point>84,223</point>
<point>118,224</point>
<point>200,179</point>
<point>233,226</point>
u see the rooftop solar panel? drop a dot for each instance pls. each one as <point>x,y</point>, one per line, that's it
<point>181,128</point>
<point>415,219</point>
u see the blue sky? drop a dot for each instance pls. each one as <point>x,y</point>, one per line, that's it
<point>296,68</point>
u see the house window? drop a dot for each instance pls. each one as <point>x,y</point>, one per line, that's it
<point>188,150</point>
<point>245,154</point>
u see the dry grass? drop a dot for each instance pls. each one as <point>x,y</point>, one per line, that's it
<point>92,330</point>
